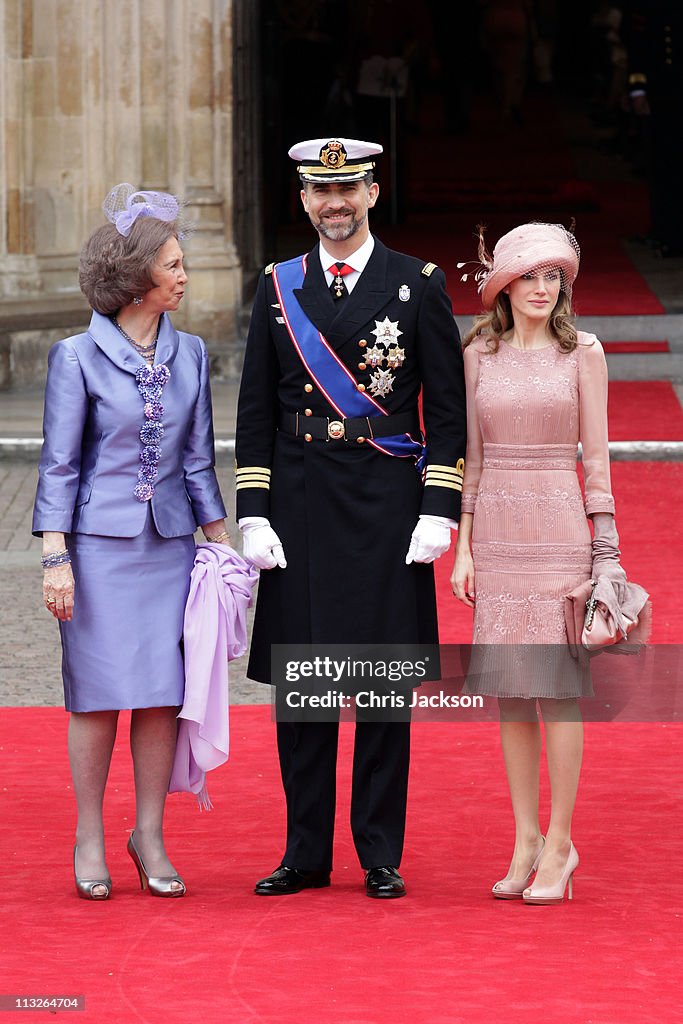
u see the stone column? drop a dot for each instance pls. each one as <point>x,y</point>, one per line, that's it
<point>18,269</point>
<point>62,64</point>
<point>200,164</point>
<point>94,92</point>
<point>248,113</point>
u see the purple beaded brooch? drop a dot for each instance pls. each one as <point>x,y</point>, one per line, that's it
<point>151,381</point>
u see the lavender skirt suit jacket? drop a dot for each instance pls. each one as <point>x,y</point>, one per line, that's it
<point>131,558</point>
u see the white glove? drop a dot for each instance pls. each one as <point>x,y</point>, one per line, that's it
<point>431,538</point>
<point>262,546</point>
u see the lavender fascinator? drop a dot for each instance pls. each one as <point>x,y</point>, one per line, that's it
<point>124,205</point>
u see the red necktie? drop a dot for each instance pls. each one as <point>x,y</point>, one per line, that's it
<point>338,288</point>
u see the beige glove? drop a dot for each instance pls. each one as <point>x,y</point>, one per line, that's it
<point>605,551</point>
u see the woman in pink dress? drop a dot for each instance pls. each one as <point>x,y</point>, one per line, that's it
<point>535,387</point>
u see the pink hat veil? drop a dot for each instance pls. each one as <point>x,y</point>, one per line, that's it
<point>534,247</point>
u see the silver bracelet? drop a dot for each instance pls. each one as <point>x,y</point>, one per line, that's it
<point>56,558</point>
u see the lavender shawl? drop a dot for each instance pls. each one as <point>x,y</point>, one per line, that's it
<point>215,632</point>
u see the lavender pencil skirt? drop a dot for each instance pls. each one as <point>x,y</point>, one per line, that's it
<point>123,647</point>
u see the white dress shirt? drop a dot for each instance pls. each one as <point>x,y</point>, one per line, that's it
<point>358,260</point>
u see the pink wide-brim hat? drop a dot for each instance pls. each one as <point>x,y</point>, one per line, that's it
<point>540,247</point>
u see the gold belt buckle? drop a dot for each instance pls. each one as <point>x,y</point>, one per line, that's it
<point>335,430</point>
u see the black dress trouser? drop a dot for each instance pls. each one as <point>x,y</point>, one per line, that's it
<point>308,763</point>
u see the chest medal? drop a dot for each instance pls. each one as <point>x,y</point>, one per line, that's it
<point>381,383</point>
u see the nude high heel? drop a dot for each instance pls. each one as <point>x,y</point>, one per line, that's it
<point>168,885</point>
<point>545,894</point>
<point>85,887</point>
<point>511,888</point>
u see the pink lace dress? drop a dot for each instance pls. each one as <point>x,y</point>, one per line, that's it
<point>531,543</point>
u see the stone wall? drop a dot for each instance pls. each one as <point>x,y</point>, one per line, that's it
<point>94,92</point>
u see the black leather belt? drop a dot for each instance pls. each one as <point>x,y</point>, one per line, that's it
<point>358,428</point>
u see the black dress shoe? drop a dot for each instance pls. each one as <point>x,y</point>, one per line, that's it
<point>384,884</point>
<point>285,881</point>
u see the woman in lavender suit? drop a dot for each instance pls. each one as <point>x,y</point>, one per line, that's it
<point>126,475</point>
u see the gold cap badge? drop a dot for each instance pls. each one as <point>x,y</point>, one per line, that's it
<point>333,155</point>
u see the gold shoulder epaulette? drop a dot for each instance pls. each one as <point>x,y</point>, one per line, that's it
<point>428,269</point>
<point>269,269</point>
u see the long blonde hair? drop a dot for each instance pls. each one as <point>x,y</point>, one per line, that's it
<point>493,324</point>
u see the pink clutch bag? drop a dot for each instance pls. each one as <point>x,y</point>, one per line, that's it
<point>595,619</point>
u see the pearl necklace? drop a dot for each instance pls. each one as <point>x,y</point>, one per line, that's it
<point>147,352</point>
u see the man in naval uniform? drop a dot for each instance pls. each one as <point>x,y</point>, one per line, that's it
<point>330,500</point>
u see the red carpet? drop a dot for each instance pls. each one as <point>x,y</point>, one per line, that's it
<point>447,954</point>
<point>644,411</point>
<point>651,542</point>
<point>635,347</point>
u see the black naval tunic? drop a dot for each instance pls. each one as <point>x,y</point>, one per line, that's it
<point>343,510</point>
<point>345,513</point>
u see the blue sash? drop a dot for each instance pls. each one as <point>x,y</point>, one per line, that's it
<point>333,378</point>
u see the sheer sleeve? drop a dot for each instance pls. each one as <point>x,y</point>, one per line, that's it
<point>593,427</point>
<point>475,446</point>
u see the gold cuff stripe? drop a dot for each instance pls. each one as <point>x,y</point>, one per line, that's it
<point>445,470</point>
<point>443,480</point>
<point>443,483</point>
<point>253,476</point>
<point>244,484</point>
<point>444,476</point>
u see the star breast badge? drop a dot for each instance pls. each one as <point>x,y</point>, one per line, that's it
<point>374,356</point>
<point>381,383</point>
<point>395,357</point>
<point>386,330</point>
